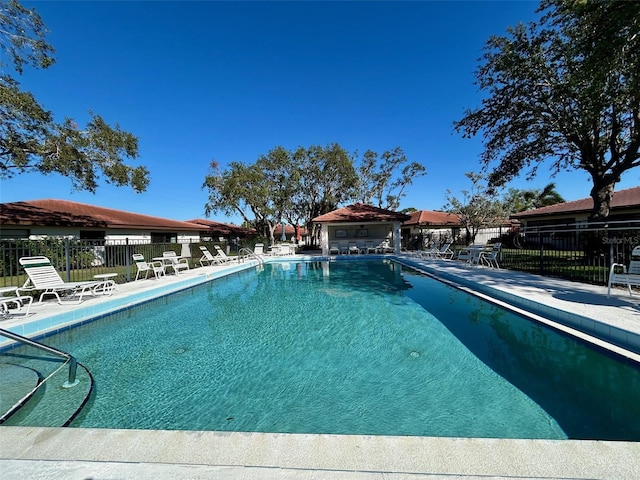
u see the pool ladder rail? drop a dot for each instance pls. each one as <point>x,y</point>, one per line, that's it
<point>71,381</point>
<point>248,254</point>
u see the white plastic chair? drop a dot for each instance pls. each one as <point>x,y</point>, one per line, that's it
<point>490,257</point>
<point>143,266</point>
<point>175,262</point>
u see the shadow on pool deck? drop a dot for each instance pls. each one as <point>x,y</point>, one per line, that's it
<point>28,452</point>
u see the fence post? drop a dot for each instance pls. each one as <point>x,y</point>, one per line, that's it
<point>127,252</point>
<point>541,256</point>
<point>67,258</point>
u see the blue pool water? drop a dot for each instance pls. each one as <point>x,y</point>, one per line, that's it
<point>362,347</point>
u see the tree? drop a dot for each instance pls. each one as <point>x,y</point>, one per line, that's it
<point>294,186</point>
<point>30,139</point>
<point>327,180</point>
<point>478,208</point>
<point>377,183</point>
<point>240,189</point>
<point>517,200</point>
<point>567,89</point>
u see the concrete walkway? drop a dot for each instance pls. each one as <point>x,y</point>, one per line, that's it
<point>74,453</point>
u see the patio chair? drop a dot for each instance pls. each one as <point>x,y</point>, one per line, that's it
<point>258,249</point>
<point>490,257</point>
<point>626,277</point>
<point>43,276</point>
<point>343,247</point>
<point>172,260</point>
<point>471,254</point>
<point>334,249</point>
<point>221,256</point>
<point>353,248</point>
<point>18,302</point>
<point>445,251</point>
<point>207,257</point>
<point>429,252</point>
<point>370,247</point>
<point>384,247</point>
<point>143,266</point>
<point>285,249</point>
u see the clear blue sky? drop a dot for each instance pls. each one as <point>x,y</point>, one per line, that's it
<point>228,81</point>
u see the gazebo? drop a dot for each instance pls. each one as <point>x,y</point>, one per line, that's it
<point>362,223</point>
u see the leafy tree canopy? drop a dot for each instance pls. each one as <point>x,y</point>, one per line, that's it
<point>516,200</point>
<point>478,208</point>
<point>31,140</point>
<point>566,89</point>
<point>383,179</point>
<point>300,185</point>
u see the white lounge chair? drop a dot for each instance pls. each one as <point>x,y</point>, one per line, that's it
<point>143,266</point>
<point>207,258</point>
<point>258,249</point>
<point>334,249</point>
<point>221,257</point>
<point>626,277</point>
<point>370,247</point>
<point>445,251</point>
<point>21,304</point>
<point>353,248</point>
<point>172,260</point>
<point>43,276</point>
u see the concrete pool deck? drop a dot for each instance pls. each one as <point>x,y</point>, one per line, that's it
<point>29,452</point>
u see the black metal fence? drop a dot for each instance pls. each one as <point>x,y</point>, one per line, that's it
<point>580,252</point>
<point>80,260</point>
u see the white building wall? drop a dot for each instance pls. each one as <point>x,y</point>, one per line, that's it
<point>112,237</point>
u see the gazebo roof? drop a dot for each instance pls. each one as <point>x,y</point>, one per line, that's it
<point>361,213</point>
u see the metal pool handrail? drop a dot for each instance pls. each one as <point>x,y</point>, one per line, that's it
<point>73,363</point>
<point>248,253</point>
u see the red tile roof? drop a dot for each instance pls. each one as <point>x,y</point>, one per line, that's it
<point>73,214</point>
<point>220,228</point>
<point>359,212</point>
<point>627,198</point>
<point>430,217</point>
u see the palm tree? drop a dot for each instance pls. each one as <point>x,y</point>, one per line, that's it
<point>547,196</point>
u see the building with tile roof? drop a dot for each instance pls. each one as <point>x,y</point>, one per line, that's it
<point>225,230</point>
<point>426,227</point>
<point>36,219</point>
<point>625,206</point>
<point>360,223</point>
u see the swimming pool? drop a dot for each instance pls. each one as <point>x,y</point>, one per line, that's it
<point>362,347</point>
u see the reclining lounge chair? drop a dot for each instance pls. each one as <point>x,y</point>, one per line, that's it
<point>21,304</point>
<point>43,276</point>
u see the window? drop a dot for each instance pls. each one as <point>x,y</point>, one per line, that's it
<point>362,232</point>
<point>14,233</point>
<point>92,235</point>
<point>164,237</point>
<point>341,233</point>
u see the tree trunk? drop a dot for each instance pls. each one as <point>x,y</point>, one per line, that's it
<point>602,194</point>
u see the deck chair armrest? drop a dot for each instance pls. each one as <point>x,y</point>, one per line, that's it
<point>615,265</point>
